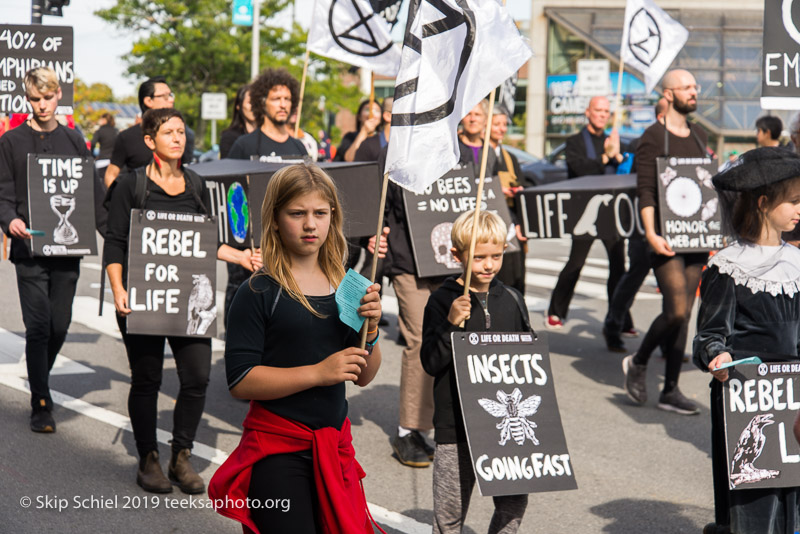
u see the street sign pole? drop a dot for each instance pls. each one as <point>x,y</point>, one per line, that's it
<point>255,48</point>
<point>37,6</point>
<point>213,132</point>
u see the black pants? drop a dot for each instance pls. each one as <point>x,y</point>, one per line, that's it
<point>628,286</point>
<point>678,277</point>
<point>279,480</point>
<point>146,359</point>
<point>236,275</point>
<point>565,286</point>
<point>46,289</point>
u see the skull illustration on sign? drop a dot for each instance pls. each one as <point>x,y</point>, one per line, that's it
<point>441,243</point>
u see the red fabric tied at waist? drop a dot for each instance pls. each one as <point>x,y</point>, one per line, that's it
<point>337,474</point>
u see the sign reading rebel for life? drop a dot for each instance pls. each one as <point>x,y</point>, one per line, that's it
<point>26,47</point>
<point>61,205</point>
<point>688,204</point>
<point>516,440</point>
<point>431,214</point>
<point>760,405</point>
<point>172,274</point>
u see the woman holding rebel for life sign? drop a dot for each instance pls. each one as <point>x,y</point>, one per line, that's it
<point>751,305</point>
<point>166,187</point>
<point>288,352</point>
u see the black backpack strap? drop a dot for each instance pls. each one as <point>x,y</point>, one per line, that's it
<point>523,310</point>
<point>140,191</point>
<point>195,184</point>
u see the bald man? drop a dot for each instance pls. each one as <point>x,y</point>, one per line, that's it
<point>589,152</point>
<point>678,274</point>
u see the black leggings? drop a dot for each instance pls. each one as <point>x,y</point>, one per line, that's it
<point>678,277</point>
<point>146,358</point>
<point>285,495</point>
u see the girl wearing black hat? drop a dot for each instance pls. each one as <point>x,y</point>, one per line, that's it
<point>751,304</point>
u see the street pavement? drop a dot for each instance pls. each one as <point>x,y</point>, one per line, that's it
<point>639,469</point>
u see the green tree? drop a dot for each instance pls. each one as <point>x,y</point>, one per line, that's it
<point>197,48</point>
<point>86,117</point>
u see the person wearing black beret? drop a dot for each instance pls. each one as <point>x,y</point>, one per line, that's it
<point>750,304</point>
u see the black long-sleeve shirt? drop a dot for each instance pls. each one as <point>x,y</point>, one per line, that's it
<point>14,149</point>
<point>436,353</point>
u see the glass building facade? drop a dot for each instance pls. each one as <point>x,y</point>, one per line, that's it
<point>723,52</point>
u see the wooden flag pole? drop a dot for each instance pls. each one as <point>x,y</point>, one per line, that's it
<point>371,92</point>
<point>618,98</point>
<point>302,92</point>
<point>484,159</point>
<point>378,235</point>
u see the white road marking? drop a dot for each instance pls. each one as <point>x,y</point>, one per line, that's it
<point>12,358</point>
<point>586,289</point>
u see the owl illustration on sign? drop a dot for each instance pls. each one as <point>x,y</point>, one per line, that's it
<point>514,411</point>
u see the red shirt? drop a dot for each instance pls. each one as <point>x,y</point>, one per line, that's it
<point>337,474</point>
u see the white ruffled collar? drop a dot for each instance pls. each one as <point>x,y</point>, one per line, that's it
<point>774,269</point>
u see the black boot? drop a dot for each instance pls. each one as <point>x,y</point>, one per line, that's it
<point>183,474</point>
<point>150,476</point>
<point>42,418</point>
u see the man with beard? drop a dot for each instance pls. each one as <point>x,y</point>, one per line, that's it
<point>677,274</point>
<point>274,95</point>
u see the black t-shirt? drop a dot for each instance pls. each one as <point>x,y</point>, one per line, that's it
<point>105,137</point>
<point>347,140</point>
<point>257,143</point>
<point>226,140</point>
<point>130,152</point>
<point>267,327</point>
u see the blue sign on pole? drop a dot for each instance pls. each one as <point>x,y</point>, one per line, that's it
<point>243,12</point>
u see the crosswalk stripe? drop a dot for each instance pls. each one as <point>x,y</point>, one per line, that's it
<point>12,358</point>
<point>583,288</point>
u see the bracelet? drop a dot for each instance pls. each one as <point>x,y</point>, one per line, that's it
<point>370,332</point>
<point>371,344</point>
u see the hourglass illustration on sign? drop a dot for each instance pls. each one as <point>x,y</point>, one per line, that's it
<point>63,206</point>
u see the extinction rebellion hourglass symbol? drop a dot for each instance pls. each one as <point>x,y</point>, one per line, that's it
<point>63,206</point>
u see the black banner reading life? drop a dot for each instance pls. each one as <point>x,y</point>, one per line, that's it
<point>591,207</point>
<point>431,214</point>
<point>61,205</point>
<point>761,404</point>
<point>26,47</point>
<point>172,274</point>
<point>780,80</point>
<point>688,205</point>
<point>516,440</point>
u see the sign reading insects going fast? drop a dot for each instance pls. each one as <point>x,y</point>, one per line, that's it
<point>508,400</point>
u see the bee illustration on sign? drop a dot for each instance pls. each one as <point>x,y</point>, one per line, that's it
<point>514,411</point>
<point>748,449</point>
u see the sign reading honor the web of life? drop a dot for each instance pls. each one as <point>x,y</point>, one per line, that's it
<point>591,207</point>
<point>760,405</point>
<point>516,440</point>
<point>61,205</point>
<point>26,47</point>
<point>431,214</point>
<point>688,204</point>
<point>172,274</point>
<point>780,80</point>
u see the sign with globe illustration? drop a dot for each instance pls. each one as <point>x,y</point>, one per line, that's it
<point>238,212</point>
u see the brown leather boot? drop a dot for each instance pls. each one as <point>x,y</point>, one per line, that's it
<point>183,474</point>
<point>150,476</point>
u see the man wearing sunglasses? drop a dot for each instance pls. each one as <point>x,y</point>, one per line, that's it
<point>130,152</point>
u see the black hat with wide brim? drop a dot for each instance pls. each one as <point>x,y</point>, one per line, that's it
<point>757,168</point>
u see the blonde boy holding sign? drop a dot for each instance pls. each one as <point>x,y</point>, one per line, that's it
<point>490,306</point>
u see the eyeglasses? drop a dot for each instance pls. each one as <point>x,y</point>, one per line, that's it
<point>165,95</point>
<point>685,88</point>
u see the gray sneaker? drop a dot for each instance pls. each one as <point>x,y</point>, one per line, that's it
<point>674,401</point>
<point>635,380</point>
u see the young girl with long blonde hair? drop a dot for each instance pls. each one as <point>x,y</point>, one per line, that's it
<point>288,352</point>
